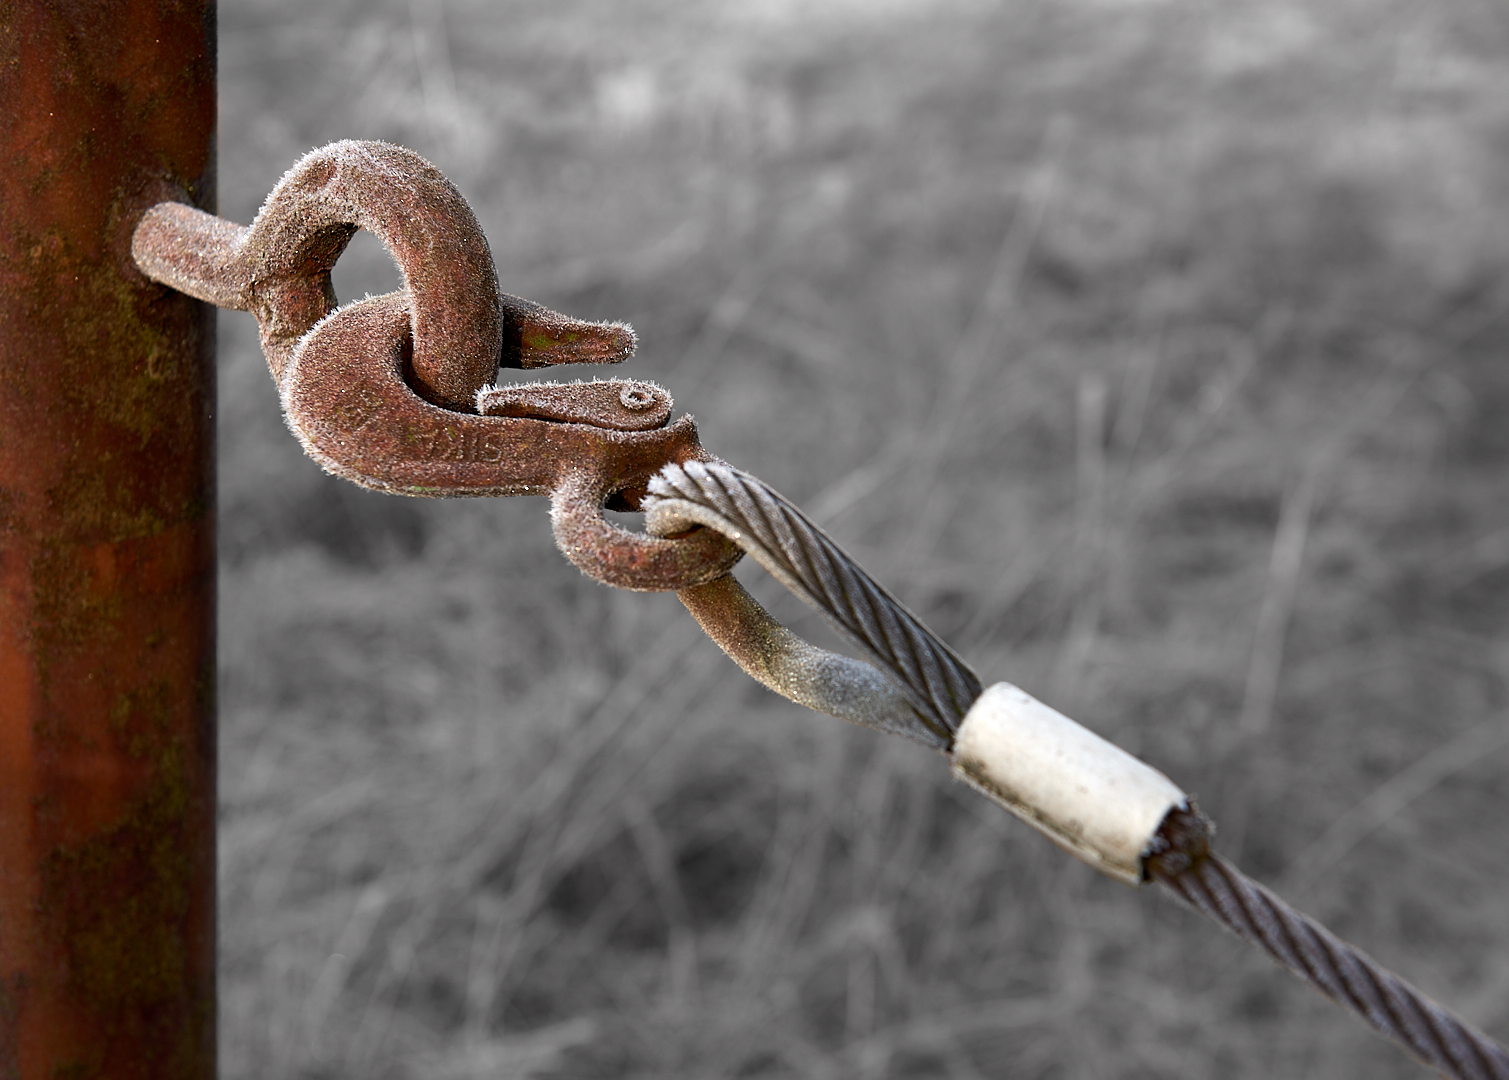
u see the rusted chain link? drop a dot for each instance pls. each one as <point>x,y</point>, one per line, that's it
<point>941,688</point>
<point>393,392</point>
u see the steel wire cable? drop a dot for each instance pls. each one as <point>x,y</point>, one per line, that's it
<point>942,688</point>
<point>1343,973</point>
<point>782,539</point>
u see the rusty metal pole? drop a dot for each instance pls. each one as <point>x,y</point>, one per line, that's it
<point>107,663</point>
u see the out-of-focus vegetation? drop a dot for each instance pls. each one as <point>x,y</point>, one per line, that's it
<point>1152,352</point>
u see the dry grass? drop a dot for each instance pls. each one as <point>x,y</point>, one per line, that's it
<point>1152,352</point>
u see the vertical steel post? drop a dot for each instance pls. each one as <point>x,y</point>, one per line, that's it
<point>107,664</point>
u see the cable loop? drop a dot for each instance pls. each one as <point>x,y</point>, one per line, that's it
<point>936,682</point>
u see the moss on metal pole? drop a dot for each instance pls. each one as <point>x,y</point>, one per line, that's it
<point>107,667</point>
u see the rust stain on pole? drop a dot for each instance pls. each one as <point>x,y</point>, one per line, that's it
<point>107,748</point>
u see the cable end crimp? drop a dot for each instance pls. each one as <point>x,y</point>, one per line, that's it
<point>1087,795</point>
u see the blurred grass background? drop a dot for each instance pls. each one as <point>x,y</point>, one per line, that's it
<point>1153,352</point>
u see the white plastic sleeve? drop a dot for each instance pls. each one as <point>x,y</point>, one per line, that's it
<point>1087,795</point>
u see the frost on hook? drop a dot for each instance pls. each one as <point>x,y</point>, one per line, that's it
<point>534,336</point>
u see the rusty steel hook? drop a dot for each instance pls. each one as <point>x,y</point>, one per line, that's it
<point>393,392</point>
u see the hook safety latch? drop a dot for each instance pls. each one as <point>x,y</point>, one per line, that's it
<point>396,392</point>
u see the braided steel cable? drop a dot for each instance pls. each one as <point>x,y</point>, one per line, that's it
<point>940,685</point>
<point>1389,1005</point>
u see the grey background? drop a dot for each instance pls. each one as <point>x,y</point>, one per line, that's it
<point>1152,352</point>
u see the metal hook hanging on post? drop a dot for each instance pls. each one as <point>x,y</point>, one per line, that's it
<point>394,392</point>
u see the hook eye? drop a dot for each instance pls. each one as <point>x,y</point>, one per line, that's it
<point>637,561</point>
